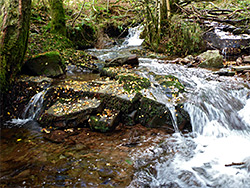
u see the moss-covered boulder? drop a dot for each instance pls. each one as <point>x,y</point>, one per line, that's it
<point>211,59</point>
<point>47,64</point>
<point>67,113</point>
<point>105,121</point>
<point>112,72</point>
<point>153,114</point>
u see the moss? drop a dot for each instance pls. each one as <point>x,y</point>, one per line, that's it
<point>14,41</point>
<point>133,83</point>
<point>98,125</point>
<point>40,43</point>
<point>170,83</point>
<point>58,23</point>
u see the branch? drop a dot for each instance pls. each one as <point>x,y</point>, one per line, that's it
<point>73,23</point>
<point>234,164</point>
<point>238,10</point>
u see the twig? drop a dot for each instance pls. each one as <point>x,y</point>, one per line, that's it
<point>73,23</point>
<point>219,11</point>
<point>184,10</point>
<point>224,21</point>
<point>238,10</point>
<point>235,164</point>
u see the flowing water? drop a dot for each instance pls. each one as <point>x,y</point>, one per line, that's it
<point>215,154</point>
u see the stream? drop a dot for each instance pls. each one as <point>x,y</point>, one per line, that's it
<point>215,154</point>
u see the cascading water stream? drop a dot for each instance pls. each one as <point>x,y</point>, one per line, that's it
<point>34,106</point>
<point>131,41</point>
<point>31,111</point>
<point>216,153</point>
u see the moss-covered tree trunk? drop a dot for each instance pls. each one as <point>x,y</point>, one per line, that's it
<point>14,23</point>
<point>58,23</point>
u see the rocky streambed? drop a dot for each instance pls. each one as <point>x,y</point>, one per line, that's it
<point>117,127</point>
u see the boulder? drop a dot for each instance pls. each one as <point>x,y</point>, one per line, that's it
<point>156,115</point>
<point>48,64</point>
<point>67,113</point>
<point>123,60</point>
<point>211,59</point>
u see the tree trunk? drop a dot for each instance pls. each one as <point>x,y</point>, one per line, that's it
<point>14,23</point>
<point>58,23</point>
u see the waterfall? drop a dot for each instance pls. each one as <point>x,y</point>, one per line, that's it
<point>31,111</point>
<point>131,41</point>
<point>216,153</point>
<point>133,38</point>
<point>34,106</point>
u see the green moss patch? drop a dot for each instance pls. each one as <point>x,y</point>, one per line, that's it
<point>170,84</point>
<point>40,43</point>
<point>133,83</point>
<point>105,121</point>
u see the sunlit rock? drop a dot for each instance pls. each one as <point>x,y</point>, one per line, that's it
<point>123,60</point>
<point>70,112</point>
<point>211,59</point>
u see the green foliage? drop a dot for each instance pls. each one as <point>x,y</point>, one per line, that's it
<point>82,35</point>
<point>40,43</point>
<point>182,37</point>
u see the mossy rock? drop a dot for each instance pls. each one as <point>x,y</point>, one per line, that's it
<point>183,119</point>
<point>105,121</point>
<point>211,59</point>
<point>123,60</point>
<point>153,114</point>
<point>133,83</point>
<point>170,84</point>
<point>48,64</point>
<point>66,113</point>
<point>112,72</point>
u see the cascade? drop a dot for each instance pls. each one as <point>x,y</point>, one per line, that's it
<point>34,106</point>
<point>219,108</point>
